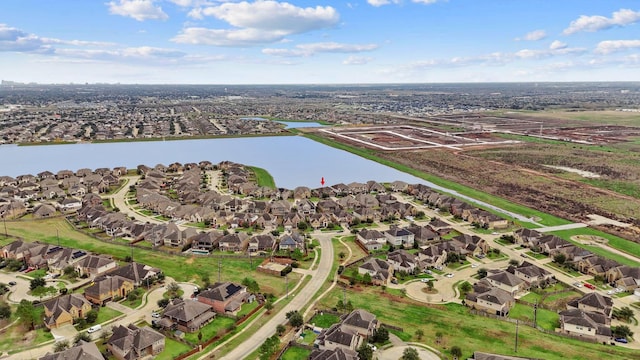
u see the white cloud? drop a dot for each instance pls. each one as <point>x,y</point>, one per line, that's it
<point>609,46</point>
<point>305,50</point>
<point>146,53</point>
<point>545,53</point>
<point>557,45</point>
<point>533,36</point>
<point>593,23</point>
<point>257,23</point>
<point>140,10</point>
<point>378,3</point>
<point>13,39</point>
<point>356,60</point>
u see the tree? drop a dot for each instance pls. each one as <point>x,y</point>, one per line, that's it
<point>456,352</point>
<point>206,281</point>
<point>69,271</point>
<point>625,313</point>
<point>621,331</point>
<point>508,238</point>
<point>36,283</point>
<point>482,273</point>
<point>452,257</point>
<point>295,318</point>
<point>410,354</point>
<point>268,306</point>
<point>163,303</point>
<point>92,316</point>
<point>419,334</point>
<point>365,352</point>
<point>251,285</point>
<point>342,255</point>
<point>438,337</point>
<point>514,262</point>
<point>82,336</point>
<point>559,258</point>
<point>5,310</point>
<point>61,346</point>
<point>366,278</point>
<point>28,314</point>
<point>465,287</point>
<point>199,336</point>
<point>280,329</point>
<point>380,336</point>
<point>173,290</point>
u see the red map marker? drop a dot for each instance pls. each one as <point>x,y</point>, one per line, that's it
<point>322,181</point>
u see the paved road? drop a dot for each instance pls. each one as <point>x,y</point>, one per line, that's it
<point>562,227</point>
<point>120,203</point>
<point>300,300</point>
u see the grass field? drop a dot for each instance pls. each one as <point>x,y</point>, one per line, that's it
<point>295,353</point>
<point>548,320</point>
<point>172,349</point>
<point>210,330</point>
<point>178,267</point>
<point>324,320</point>
<point>263,178</point>
<point>473,333</point>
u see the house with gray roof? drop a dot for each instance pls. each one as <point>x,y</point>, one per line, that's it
<point>83,351</point>
<point>186,315</point>
<point>132,342</point>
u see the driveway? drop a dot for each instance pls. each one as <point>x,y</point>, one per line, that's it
<point>66,332</point>
<point>19,290</point>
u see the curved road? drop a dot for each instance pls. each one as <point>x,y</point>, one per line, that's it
<point>298,302</point>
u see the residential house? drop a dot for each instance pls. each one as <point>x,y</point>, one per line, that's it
<point>371,239</point>
<point>506,281</point>
<point>305,207</point>
<point>262,243</point>
<point>423,235</point>
<point>64,309</point>
<point>82,351</point>
<point>132,342</point>
<point>69,204</point>
<point>352,331</point>
<point>583,323</point>
<point>488,298</point>
<point>94,265</point>
<point>233,242</point>
<point>224,298</point>
<point>107,289</point>
<point>206,240</point>
<point>624,276</point>
<point>334,354</point>
<point>402,260</point>
<point>432,256</point>
<point>186,315</point>
<point>44,211</point>
<point>138,274</point>
<point>596,265</point>
<point>399,237</point>
<point>593,302</point>
<point>379,270</point>
<point>531,274</point>
<point>292,241</point>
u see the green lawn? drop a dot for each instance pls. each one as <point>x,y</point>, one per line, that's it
<point>567,271</point>
<point>172,349</point>
<point>324,320</point>
<point>308,337</point>
<point>247,308</point>
<point>548,320</point>
<point>211,329</point>
<point>295,353</point>
<point>106,314</point>
<point>536,255</point>
<point>263,178</point>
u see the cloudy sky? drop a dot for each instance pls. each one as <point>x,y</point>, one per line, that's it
<point>318,41</point>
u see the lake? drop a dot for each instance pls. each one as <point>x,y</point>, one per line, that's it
<point>292,160</point>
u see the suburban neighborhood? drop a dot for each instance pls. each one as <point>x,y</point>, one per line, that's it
<point>115,294</point>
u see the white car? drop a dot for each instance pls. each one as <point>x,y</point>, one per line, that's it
<point>449,275</point>
<point>425,280</point>
<point>474,266</point>
<point>373,347</point>
<point>155,315</point>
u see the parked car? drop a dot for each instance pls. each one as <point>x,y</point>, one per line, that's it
<point>622,340</point>
<point>155,315</point>
<point>589,286</point>
<point>427,271</point>
<point>425,280</point>
<point>12,283</point>
<point>449,275</point>
<point>473,266</point>
<point>577,284</point>
<point>94,328</point>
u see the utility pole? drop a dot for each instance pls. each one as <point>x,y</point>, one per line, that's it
<point>516,348</point>
<point>535,314</point>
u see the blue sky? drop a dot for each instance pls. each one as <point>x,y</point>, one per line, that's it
<point>318,41</point>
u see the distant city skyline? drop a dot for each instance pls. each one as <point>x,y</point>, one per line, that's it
<point>317,42</point>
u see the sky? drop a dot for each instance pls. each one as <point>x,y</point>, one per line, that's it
<point>318,41</point>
